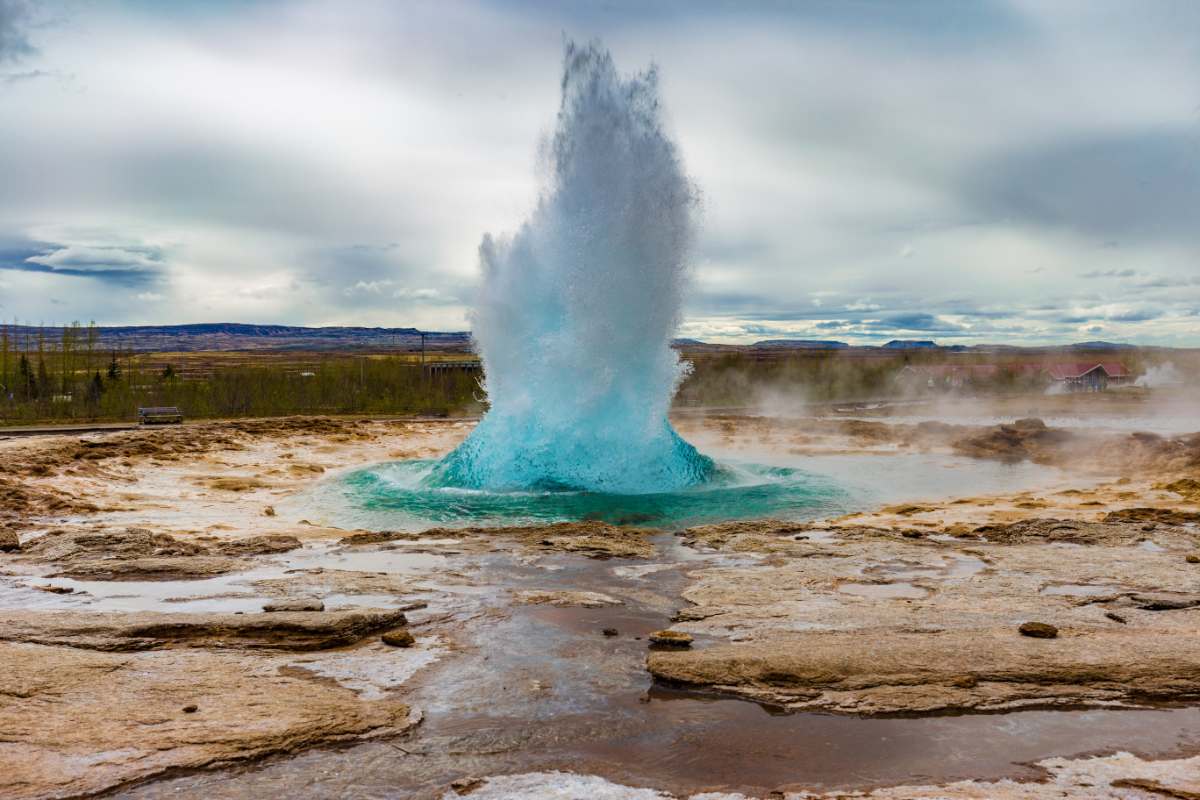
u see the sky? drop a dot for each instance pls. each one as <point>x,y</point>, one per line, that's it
<point>1014,171</point>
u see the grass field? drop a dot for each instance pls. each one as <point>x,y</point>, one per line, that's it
<point>71,379</point>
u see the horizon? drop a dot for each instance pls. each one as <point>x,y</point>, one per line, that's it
<point>1005,172</point>
<point>931,343</point>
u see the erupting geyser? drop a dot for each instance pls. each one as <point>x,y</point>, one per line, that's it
<point>577,309</point>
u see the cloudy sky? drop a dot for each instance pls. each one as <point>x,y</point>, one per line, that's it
<point>1010,170</point>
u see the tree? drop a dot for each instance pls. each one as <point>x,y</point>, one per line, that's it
<point>114,368</point>
<point>26,381</point>
<point>44,388</point>
<point>95,390</point>
<point>5,386</point>
<point>168,373</point>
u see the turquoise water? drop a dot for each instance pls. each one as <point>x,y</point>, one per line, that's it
<point>406,494</point>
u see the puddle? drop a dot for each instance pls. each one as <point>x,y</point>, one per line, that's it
<point>950,567</point>
<point>231,593</point>
<point>884,591</point>
<point>392,561</point>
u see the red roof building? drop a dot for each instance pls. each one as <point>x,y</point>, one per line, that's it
<point>1089,375</point>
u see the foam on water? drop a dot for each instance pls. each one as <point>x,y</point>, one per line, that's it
<point>577,309</point>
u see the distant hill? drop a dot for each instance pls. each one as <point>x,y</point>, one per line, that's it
<point>799,344</point>
<point>238,336</point>
<point>1100,346</point>
<point>235,336</point>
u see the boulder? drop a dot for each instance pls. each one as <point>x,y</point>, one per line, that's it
<point>1038,630</point>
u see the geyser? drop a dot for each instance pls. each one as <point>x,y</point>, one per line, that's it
<point>577,309</point>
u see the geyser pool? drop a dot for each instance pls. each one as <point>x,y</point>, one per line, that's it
<point>577,309</point>
<point>398,495</point>
<point>573,323</point>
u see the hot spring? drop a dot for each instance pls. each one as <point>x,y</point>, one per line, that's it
<point>573,323</point>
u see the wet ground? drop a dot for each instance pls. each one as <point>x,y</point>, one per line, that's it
<point>513,674</point>
<point>543,688</point>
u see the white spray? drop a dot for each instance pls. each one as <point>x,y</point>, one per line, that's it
<point>577,309</point>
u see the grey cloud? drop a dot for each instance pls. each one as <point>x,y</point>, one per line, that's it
<point>1162,282</point>
<point>928,23</point>
<point>15,16</point>
<point>732,249</point>
<point>119,264</point>
<point>915,321</point>
<point>1138,315</point>
<point>100,258</point>
<point>380,275</point>
<point>1109,273</point>
<point>979,313</point>
<point>1141,186</point>
<point>19,77</point>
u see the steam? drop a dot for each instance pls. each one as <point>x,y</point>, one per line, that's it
<point>1161,376</point>
<point>577,309</point>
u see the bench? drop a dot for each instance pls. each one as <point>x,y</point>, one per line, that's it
<point>163,415</point>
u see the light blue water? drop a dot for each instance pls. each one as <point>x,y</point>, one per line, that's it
<point>402,495</point>
<point>576,310</point>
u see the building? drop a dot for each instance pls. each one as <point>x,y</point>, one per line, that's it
<point>1088,376</point>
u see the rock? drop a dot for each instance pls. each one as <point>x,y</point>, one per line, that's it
<point>669,638</point>
<point>260,545</point>
<point>907,510</point>
<point>235,483</point>
<point>378,537</point>
<point>146,630</point>
<point>67,545</point>
<point>590,538</point>
<point>138,554</point>
<point>464,786</point>
<point>1192,558</point>
<point>400,638</point>
<point>294,605</point>
<point>610,632</point>
<point>1040,529</point>
<point>563,599</point>
<point>1115,617</point>
<point>126,555</point>
<point>1167,516</point>
<point>1038,630</point>
<point>1165,601</point>
<point>1025,439</point>
<point>191,709</point>
<point>269,511</point>
<point>1187,488</point>
<point>61,706</point>
<point>52,589</point>
<point>9,540</point>
<point>841,672</point>
<point>171,568</point>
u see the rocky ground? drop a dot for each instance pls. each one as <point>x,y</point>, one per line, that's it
<point>165,609</point>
